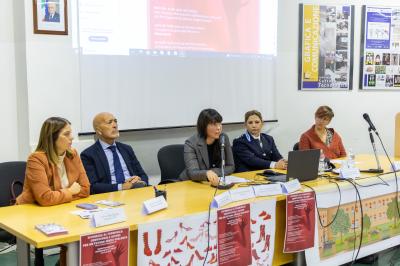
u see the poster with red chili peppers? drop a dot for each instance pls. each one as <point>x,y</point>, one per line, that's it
<point>300,221</point>
<point>192,240</point>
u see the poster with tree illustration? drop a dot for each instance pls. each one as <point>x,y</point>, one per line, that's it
<point>374,220</point>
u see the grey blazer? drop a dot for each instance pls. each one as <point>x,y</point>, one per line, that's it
<point>197,162</point>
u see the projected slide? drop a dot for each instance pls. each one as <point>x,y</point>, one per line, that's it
<point>177,27</point>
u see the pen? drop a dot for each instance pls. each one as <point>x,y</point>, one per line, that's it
<point>155,189</point>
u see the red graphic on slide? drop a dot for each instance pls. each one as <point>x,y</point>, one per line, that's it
<point>105,248</point>
<point>206,25</point>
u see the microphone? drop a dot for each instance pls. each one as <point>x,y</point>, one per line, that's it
<point>371,125</point>
<point>222,140</point>
<point>370,129</point>
<point>223,185</point>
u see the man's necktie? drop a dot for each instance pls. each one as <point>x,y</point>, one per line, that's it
<point>119,173</point>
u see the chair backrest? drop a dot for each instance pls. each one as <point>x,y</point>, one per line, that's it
<point>296,146</point>
<point>170,159</point>
<point>11,172</point>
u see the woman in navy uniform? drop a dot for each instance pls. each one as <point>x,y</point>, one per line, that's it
<point>255,150</point>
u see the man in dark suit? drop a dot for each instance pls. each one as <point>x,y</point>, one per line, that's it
<point>111,165</point>
<point>52,15</point>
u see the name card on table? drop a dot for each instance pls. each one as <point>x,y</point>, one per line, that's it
<point>154,204</point>
<point>107,217</point>
<point>349,173</point>
<point>290,186</point>
<point>267,190</point>
<point>221,200</point>
<point>230,179</point>
<point>242,193</point>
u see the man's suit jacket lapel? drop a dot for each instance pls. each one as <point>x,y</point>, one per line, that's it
<point>103,159</point>
<point>202,146</point>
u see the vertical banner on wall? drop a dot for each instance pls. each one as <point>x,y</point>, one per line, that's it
<point>240,235</point>
<point>380,67</point>
<point>105,248</point>
<point>326,49</point>
<point>300,222</point>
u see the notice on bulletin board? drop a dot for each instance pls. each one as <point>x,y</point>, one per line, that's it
<point>326,47</point>
<point>381,49</point>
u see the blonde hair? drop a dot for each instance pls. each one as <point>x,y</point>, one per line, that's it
<point>250,113</point>
<point>49,133</point>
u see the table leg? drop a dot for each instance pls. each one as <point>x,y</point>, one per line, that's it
<point>73,254</point>
<point>23,253</point>
<point>300,259</point>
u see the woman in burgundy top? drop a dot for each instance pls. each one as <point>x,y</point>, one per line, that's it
<point>321,137</point>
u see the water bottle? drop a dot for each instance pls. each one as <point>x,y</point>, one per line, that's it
<point>351,159</point>
<point>321,165</point>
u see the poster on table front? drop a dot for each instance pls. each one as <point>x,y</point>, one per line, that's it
<point>200,239</point>
<point>300,222</point>
<point>326,47</point>
<point>234,243</point>
<point>380,67</point>
<point>343,219</point>
<point>105,248</point>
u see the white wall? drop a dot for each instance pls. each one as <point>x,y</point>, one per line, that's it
<point>8,108</point>
<point>54,90</point>
<point>296,108</point>
<point>52,87</point>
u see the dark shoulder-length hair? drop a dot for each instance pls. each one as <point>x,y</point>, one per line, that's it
<point>49,133</point>
<point>206,117</point>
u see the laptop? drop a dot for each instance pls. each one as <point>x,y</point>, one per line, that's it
<point>302,165</point>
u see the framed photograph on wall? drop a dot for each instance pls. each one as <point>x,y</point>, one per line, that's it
<point>50,17</point>
<point>326,47</point>
<point>380,48</point>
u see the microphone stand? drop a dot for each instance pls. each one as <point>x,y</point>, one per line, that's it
<point>379,169</point>
<point>223,185</point>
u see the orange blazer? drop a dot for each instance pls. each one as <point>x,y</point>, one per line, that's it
<point>310,140</point>
<point>42,183</point>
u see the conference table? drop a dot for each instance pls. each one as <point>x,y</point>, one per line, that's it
<point>184,198</point>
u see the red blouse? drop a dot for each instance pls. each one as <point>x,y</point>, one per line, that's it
<point>310,140</point>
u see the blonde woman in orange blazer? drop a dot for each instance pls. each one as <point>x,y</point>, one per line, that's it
<point>54,172</point>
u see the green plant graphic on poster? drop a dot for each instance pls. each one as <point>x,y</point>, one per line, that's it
<point>366,223</point>
<point>341,225</point>
<point>392,212</point>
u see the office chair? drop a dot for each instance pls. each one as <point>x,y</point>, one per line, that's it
<point>12,175</point>
<point>171,162</point>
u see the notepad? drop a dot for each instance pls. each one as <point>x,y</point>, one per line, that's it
<point>51,229</point>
